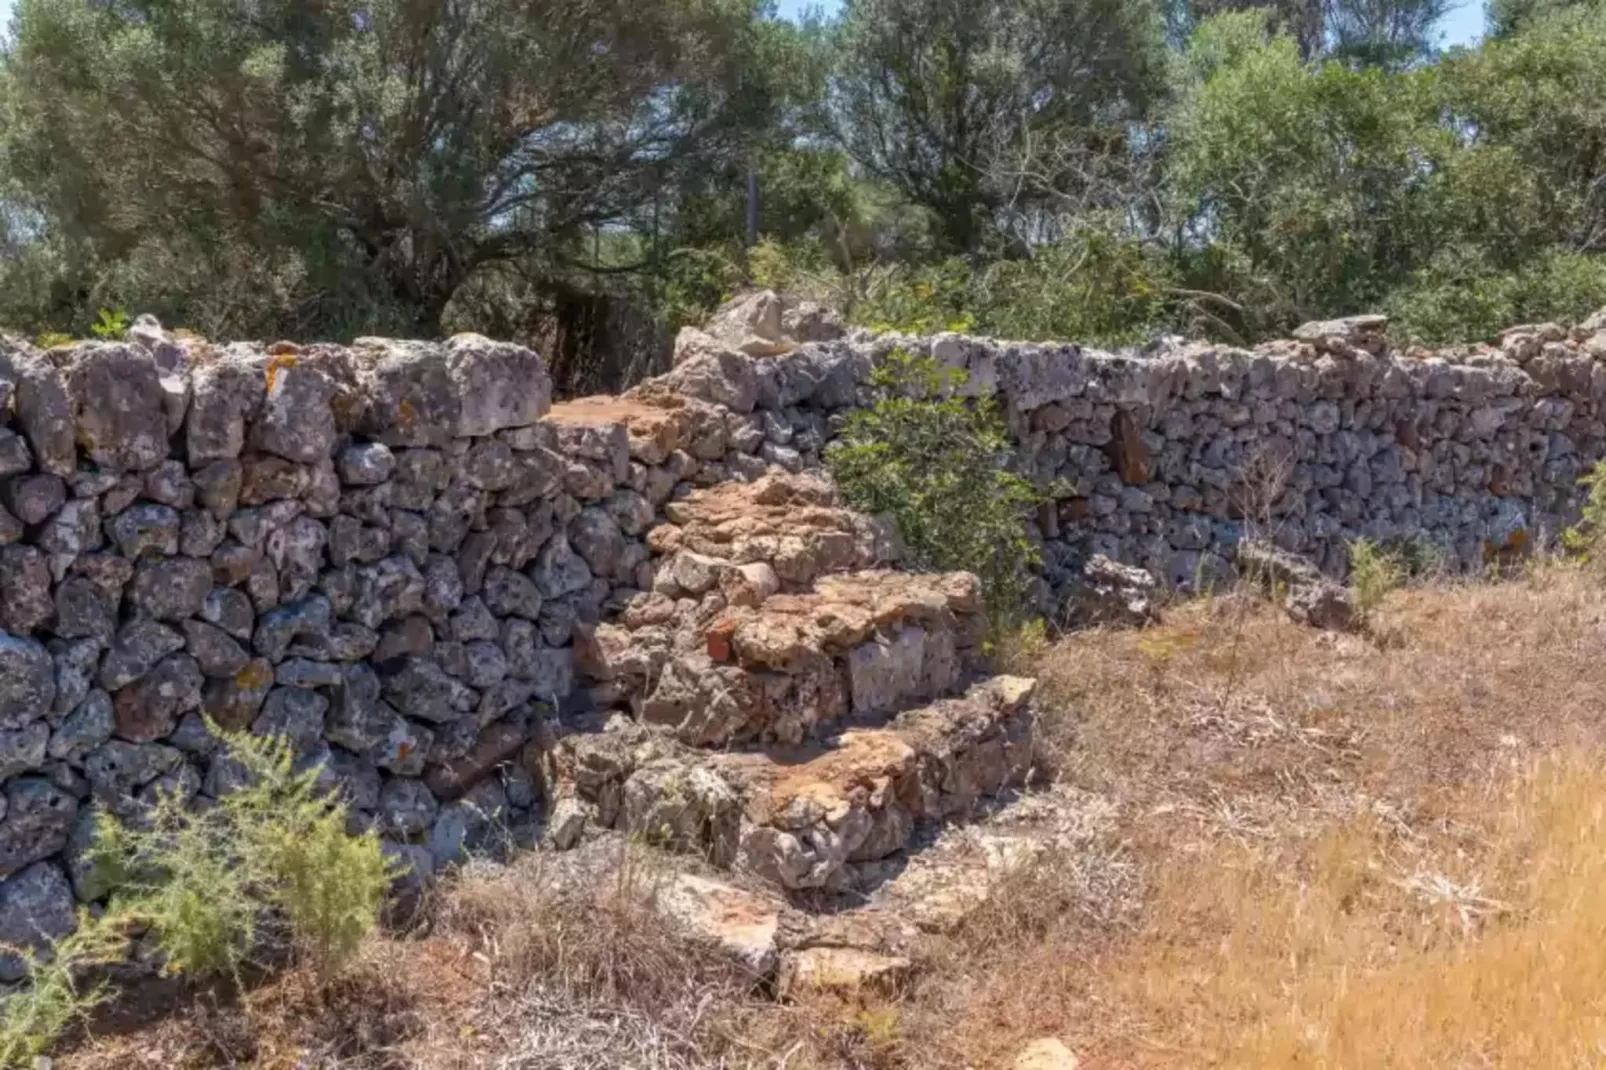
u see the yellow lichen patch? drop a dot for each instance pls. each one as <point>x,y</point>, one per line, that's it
<point>257,674</point>
<point>280,362</point>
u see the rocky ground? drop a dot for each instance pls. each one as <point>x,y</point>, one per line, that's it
<point>1229,811</point>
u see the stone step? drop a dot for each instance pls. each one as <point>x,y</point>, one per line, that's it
<point>871,938</point>
<point>800,817</point>
<point>749,665</point>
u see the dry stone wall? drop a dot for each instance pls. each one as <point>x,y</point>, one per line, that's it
<point>1168,457</point>
<point>439,587</point>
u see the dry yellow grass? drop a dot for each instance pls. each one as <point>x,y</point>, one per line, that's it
<point>1345,958</point>
<point>1330,852</point>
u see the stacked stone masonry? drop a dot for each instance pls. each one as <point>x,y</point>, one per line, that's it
<point>476,611</point>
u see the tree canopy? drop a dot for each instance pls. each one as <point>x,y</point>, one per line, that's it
<point>1117,167</point>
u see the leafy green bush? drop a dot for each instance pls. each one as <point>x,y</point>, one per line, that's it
<point>1462,298</point>
<point>1093,286</point>
<point>935,462</point>
<point>273,852</point>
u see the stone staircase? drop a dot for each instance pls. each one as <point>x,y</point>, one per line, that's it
<point>785,706</point>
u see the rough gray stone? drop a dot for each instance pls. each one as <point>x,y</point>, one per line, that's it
<point>201,534</point>
<point>85,728</point>
<point>486,664</point>
<point>38,820</point>
<point>15,456</point>
<point>119,407</point>
<point>146,529</point>
<point>410,635</point>
<point>170,588</point>
<point>11,529</point>
<point>489,465</point>
<point>443,586</point>
<point>390,588</point>
<point>558,570</point>
<point>294,714</point>
<point>218,484</point>
<point>406,807</point>
<point>511,594</point>
<point>296,551</point>
<point>295,420</point>
<point>307,673</point>
<point>216,652</point>
<point>33,498</point>
<point>345,641</point>
<point>224,394</point>
<point>25,600</point>
<point>170,484</point>
<point>118,770</point>
<point>501,385</point>
<point>418,687</point>
<point>23,750</point>
<point>230,610</point>
<point>276,628</point>
<point>352,540</point>
<point>474,620</point>
<point>74,530</point>
<point>147,709</point>
<point>27,681</point>
<point>365,464</point>
<point>36,909</point>
<point>76,661</point>
<point>596,537</point>
<point>233,703</point>
<point>44,412</point>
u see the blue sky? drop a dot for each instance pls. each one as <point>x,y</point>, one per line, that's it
<point>1462,26</point>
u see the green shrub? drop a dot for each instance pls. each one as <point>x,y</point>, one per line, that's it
<point>1091,286</point>
<point>1374,572</point>
<point>110,325</point>
<point>54,992</point>
<point>935,463</point>
<point>1584,538</point>
<point>274,852</point>
<point>1460,297</point>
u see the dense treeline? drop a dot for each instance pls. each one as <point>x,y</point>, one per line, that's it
<point>579,170</point>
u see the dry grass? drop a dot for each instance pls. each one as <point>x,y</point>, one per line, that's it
<point>1325,852</point>
<point>1360,851</point>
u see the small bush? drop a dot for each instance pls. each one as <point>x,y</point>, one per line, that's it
<point>1374,572</point>
<point>274,852</point>
<point>935,463</point>
<point>54,992</point>
<point>110,325</point>
<point>1584,538</point>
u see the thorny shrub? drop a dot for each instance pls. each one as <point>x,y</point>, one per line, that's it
<point>270,865</point>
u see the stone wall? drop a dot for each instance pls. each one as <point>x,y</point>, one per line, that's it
<point>391,552</point>
<point>1167,457</point>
